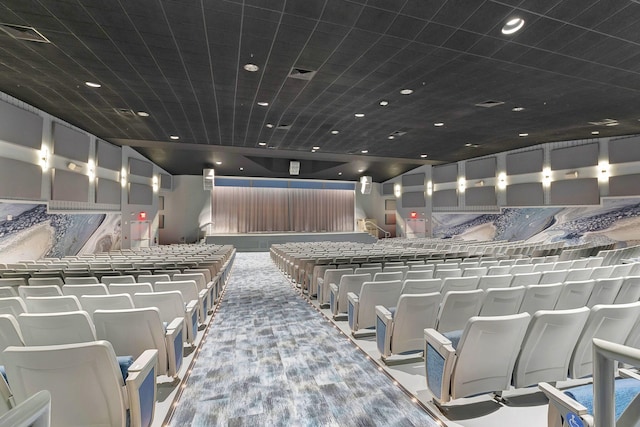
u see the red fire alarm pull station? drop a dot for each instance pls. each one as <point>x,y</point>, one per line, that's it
<point>142,216</point>
<point>413,215</point>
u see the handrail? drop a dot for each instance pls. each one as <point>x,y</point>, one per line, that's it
<point>385,232</point>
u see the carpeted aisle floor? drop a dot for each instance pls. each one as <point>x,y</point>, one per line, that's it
<point>271,360</point>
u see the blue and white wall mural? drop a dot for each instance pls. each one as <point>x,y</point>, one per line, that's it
<point>615,221</point>
<point>28,232</point>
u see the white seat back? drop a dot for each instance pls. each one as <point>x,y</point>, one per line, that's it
<point>554,276</point>
<point>526,279</point>
<point>170,304</point>
<point>547,346</point>
<point>45,281</point>
<point>498,270</point>
<point>88,280</point>
<point>502,301</point>
<point>39,291</point>
<point>575,294</point>
<point>390,268</point>
<point>377,293</point>
<point>57,304</point>
<point>629,291</point>
<point>418,274</point>
<point>8,292</point>
<point>91,303</point>
<point>9,333</point>
<point>197,277</point>
<point>187,288</point>
<point>130,288</point>
<point>521,269</point>
<point>368,270</point>
<point>621,270</point>
<point>153,278</point>
<point>89,289</point>
<point>205,271</point>
<point>457,308</point>
<point>540,297</point>
<point>350,283</point>
<point>611,322</point>
<point>498,281</point>
<point>423,286</point>
<point>444,272</point>
<point>56,328</point>
<point>450,284</point>
<point>108,280</point>
<point>601,272</point>
<point>605,291</point>
<point>388,276</point>
<point>577,274</point>
<point>13,306</point>
<point>474,271</point>
<point>543,266</point>
<point>414,313</point>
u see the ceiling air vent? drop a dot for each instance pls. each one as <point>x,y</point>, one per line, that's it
<point>20,32</point>
<point>488,104</point>
<point>398,133</point>
<point>283,127</point>
<point>301,74</point>
<point>125,112</point>
<point>605,122</point>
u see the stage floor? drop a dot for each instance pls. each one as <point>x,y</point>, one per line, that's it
<point>261,242</point>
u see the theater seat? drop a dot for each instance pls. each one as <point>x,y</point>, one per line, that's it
<point>109,280</point>
<point>189,291</point>
<point>457,308</point>
<point>56,328</point>
<point>421,286</point>
<point>171,305</point>
<point>479,359</point>
<point>502,301</point>
<point>87,289</point>
<point>129,288</point>
<point>361,308</point>
<point>540,297</point>
<point>338,292</point>
<point>35,411</point>
<point>13,306</point>
<point>57,304</point>
<point>330,276</point>
<point>91,303</point>
<point>85,383</point>
<point>10,334</point>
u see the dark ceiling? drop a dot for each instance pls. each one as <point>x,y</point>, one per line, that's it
<point>573,64</point>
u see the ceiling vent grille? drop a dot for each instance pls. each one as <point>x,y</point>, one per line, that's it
<point>488,104</point>
<point>605,122</point>
<point>125,112</point>
<point>283,127</point>
<point>20,32</point>
<point>301,74</point>
<point>398,133</point>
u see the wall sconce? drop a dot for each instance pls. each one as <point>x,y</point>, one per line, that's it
<point>365,184</point>
<point>480,183</point>
<point>571,174</point>
<point>462,184</point>
<point>502,180</point>
<point>154,183</point>
<point>603,171</point>
<point>72,166</point>
<point>397,190</point>
<point>91,172</point>
<point>429,188</point>
<point>546,177</point>
<point>44,159</point>
<point>123,177</point>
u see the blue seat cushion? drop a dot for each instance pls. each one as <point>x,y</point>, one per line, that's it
<point>626,390</point>
<point>125,363</point>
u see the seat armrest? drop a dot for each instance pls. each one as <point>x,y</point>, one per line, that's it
<point>191,321</point>
<point>560,405</point>
<point>174,343</point>
<point>206,302</point>
<point>627,373</point>
<point>440,358</point>
<point>384,329</point>
<point>141,389</point>
<point>353,297</point>
<point>333,298</point>
<point>353,306</point>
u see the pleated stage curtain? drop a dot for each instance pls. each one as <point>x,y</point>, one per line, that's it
<point>257,209</point>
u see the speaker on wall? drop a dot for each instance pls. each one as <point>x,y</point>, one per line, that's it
<point>208,176</point>
<point>294,167</point>
<point>365,184</point>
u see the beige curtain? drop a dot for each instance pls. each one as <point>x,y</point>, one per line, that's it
<point>256,209</point>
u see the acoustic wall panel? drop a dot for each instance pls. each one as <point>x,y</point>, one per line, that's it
<point>70,143</point>
<point>70,186</point>
<point>140,168</point>
<point>624,185</point>
<point>481,196</point>
<point>575,192</point>
<point>166,181</point>
<point>624,150</point>
<point>413,199</point>
<point>575,157</point>
<point>140,194</point>
<point>527,194</point>
<point>413,179</point>
<point>28,176</point>
<point>445,173</point>
<point>387,189</point>
<point>108,191</point>
<point>525,162</point>
<point>445,199</point>
<point>480,168</point>
<point>109,156</point>
<point>20,127</point>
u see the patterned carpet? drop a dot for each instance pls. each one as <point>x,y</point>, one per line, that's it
<point>271,360</point>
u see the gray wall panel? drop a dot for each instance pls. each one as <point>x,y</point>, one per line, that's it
<point>527,194</point>
<point>445,173</point>
<point>575,157</point>
<point>166,181</point>
<point>525,162</point>
<point>109,156</point>
<point>387,189</point>
<point>20,126</point>
<point>481,196</point>
<point>70,186</point>
<point>70,143</point>
<point>624,150</point>
<point>108,191</point>
<point>28,176</point>
<point>140,168</point>
<point>413,179</point>
<point>480,168</point>
<point>624,185</point>
<point>413,199</point>
<point>140,194</point>
<point>445,198</point>
<point>575,192</point>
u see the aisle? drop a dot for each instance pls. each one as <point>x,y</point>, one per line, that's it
<point>271,360</point>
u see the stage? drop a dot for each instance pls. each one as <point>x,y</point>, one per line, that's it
<point>261,242</point>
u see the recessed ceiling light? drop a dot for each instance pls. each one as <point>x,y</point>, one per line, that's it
<point>262,144</point>
<point>263,104</point>
<point>517,109</point>
<point>523,135</point>
<point>339,173</point>
<point>384,103</point>
<point>364,151</point>
<point>313,151</point>
<point>174,137</point>
<point>142,114</point>
<point>92,84</point>
<point>512,26</point>
<point>438,124</point>
<point>613,124</point>
<point>406,91</point>
<point>316,148</point>
<point>269,125</point>
<point>218,162</point>
<point>335,132</point>
<point>241,169</point>
<point>595,132</point>
<point>251,67</point>
<point>424,156</point>
<point>391,137</point>
<point>360,170</point>
<point>359,115</point>
<point>468,144</point>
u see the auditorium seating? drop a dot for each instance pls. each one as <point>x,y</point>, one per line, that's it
<point>421,286</point>
<point>56,328</point>
<point>189,291</point>
<point>88,289</point>
<point>330,276</point>
<point>171,305</point>
<point>91,303</point>
<point>55,304</point>
<point>457,307</point>
<point>39,291</point>
<point>13,306</point>
<point>361,308</point>
<point>349,283</point>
